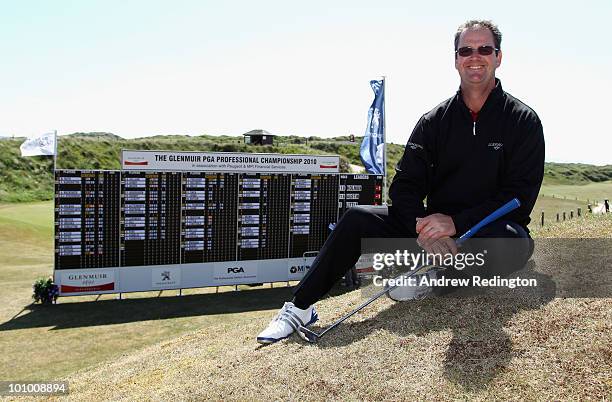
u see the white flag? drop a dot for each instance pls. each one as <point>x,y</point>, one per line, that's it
<point>43,144</point>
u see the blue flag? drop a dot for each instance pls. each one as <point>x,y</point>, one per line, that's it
<point>373,144</point>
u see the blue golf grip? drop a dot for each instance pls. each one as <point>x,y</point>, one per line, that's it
<point>498,213</point>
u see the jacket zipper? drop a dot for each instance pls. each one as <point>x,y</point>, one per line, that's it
<point>474,129</point>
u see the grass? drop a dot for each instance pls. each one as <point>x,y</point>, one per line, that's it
<point>496,346</point>
<point>439,350</point>
<point>45,342</point>
<point>202,346</point>
<point>559,198</point>
<point>553,206</point>
<point>576,173</point>
<point>591,192</point>
<point>26,245</point>
<point>53,341</point>
<point>29,179</point>
<point>586,227</point>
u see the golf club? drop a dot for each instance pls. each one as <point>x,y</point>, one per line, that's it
<point>313,337</point>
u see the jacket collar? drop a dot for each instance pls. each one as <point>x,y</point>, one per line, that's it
<point>495,96</point>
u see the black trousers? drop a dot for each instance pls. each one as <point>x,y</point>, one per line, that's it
<point>343,248</point>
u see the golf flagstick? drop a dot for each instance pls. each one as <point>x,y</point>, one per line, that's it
<point>313,337</point>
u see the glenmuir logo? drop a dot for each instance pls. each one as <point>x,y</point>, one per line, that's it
<point>412,145</point>
<point>495,145</point>
<point>79,277</point>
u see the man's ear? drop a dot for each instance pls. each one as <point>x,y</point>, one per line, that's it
<point>498,59</point>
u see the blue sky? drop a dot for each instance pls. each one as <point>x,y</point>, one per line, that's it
<point>138,68</point>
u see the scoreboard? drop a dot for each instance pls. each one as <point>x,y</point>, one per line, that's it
<point>208,216</point>
<point>87,216</point>
<point>121,231</point>
<point>150,218</point>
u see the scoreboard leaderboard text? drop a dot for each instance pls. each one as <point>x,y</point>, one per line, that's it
<point>118,219</point>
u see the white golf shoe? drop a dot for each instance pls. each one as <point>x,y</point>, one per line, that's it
<point>286,321</point>
<point>414,290</point>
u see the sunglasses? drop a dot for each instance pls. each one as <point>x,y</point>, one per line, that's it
<point>467,51</point>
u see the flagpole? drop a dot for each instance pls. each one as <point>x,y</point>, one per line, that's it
<point>54,201</point>
<point>384,80</point>
<point>55,155</point>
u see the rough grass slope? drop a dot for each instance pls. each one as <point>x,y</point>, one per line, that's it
<point>495,346</point>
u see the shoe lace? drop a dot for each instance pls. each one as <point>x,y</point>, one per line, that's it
<point>280,313</point>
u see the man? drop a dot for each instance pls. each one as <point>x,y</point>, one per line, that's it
<point>468,156</point>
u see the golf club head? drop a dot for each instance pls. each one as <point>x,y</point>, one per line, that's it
<point>307,335</point>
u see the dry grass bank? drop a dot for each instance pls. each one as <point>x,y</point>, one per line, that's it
<point>523,345</point>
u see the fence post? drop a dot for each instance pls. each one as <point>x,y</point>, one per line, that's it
<point>579,211</point>
<point>542,219</point>
<point>564,215</point>
<point>557,217</point>
<point>572,214</point>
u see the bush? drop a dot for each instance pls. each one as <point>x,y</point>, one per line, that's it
<point>45,291</point>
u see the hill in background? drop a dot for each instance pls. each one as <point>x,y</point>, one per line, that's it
<point>30,179</point>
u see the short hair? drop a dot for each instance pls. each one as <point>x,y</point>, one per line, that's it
<point>497,35</point>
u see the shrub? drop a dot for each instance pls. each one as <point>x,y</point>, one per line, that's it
<point>45,291</point>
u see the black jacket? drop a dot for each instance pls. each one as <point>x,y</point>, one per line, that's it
<point>467,170</point>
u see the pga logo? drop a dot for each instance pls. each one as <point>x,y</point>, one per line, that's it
<point>235,270</point>
<point>299,269</point>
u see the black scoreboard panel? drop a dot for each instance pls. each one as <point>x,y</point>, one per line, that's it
<point>208,217</point>
<point>222,216</point>
<point>132,218</point>
<point>359,189</point>
<point>275,222</point>
<point>86,219</point>
<point>314,206</point>
<point>195,235</point>
<point>151,218</point>
<point>263,216</point>
<point>324,209</point>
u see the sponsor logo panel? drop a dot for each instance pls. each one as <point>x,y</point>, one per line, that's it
<point>235,272</point>
<point>228,162</point>
<point>165,278</point>
<point>87,281</point>
<point>296,269</point>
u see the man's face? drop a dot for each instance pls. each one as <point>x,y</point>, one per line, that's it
<point>477,70</point>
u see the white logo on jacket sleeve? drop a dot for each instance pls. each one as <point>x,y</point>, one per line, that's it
<point>413,145</point>
<point>496,145</point>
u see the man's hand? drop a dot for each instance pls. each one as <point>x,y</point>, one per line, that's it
<point>434,227</point>
<point>441,246</point>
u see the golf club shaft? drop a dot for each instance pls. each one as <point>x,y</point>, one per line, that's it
<point>503,210</point>
<point>372,299</point>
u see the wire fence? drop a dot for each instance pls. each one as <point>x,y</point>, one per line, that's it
<point>571,212</point>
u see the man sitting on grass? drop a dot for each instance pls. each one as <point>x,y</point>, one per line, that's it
<point>469,156</point>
